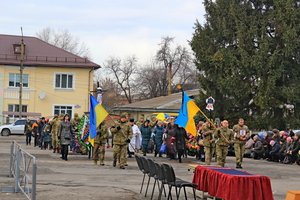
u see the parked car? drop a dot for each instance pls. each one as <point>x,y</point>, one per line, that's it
<point>15,128</point>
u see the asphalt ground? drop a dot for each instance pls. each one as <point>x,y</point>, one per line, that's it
<point>78,178</point>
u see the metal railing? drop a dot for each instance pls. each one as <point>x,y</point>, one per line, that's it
<point>23,168</point>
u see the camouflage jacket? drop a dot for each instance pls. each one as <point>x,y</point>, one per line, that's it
<point>241,134</point>
<point>54,126</point>
<point>121,136</point>
<point>227,133</point>
<point>101,136</point>
<point>208,138</point>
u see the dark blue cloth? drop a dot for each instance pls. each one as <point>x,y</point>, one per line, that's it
<point>232,171</point>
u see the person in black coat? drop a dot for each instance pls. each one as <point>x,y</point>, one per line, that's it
<point>180,136</point>
<point>274,153</point>
<point>295,147</point>
<point>258,149</point>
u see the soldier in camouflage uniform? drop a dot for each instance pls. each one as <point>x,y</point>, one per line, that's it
<point>54,123</point>
<point>208,141</point>
<point>99,144</point>
<point>141,121</point>
<point>224,137</point>
<point>122,133</point>
<point>241,135</point>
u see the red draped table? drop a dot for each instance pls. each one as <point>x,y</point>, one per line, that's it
<point>231,184</point>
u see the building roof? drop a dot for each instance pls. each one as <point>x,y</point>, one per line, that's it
<point>170,103</point>
<point>39,53</point>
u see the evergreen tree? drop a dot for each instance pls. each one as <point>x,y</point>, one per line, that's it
<point>248,55</point>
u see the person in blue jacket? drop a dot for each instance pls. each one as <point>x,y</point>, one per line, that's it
<point>158,137</point>
<point>146,136</point>
<point>274,153</point>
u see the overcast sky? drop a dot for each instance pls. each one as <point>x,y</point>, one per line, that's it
<point>108,27</point>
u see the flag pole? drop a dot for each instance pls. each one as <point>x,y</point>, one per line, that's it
<point>222,135</point>
<point>179,87</point>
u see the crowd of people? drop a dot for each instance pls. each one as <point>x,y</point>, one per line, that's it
<point>214,141</point>
<point>165,138</point>
<point>56,134</point>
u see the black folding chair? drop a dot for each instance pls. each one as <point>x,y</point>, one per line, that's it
<point>147,169</point>
<point>160,176</point>
<point>176,182</point>
<point>141,168</point>
<point>153,174</point>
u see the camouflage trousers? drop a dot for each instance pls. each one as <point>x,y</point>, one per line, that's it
<point>221,152</point>
<point>55,142</point>
<point>99,153</point>
<point>239,150</point>
<point>119,154</point>
<point>209,153</point>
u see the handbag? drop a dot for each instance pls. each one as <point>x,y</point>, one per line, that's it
<point>67,136</point>
<point>163,149</point>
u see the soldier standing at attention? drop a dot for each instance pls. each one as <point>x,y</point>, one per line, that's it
<point>54,123</point>
<point>208,141</point>
<point>224,137</point>
<point>141,121</point>
<point>99,144</point>
<point>241,134</point>
<point>122,133</point>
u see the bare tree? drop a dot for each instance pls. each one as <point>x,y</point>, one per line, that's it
<point>65,40</point>
<point>150,81</point>
<point>123,72</point>
<point>111,95</point>
<point>172,60</point>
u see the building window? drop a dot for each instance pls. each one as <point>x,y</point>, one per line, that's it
<point>64,81</point>
<point>14,80</point>
<point>63,110</point>
<point>15,108</point>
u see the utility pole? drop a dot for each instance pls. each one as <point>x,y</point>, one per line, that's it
<point>169,78</point>
<point>21,75</point>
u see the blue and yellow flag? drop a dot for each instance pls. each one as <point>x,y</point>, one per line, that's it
<point>186,115</point>
<point>97,115</point>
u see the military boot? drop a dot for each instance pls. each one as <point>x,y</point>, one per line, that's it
<point>122,167</point>
<point>114,163</point>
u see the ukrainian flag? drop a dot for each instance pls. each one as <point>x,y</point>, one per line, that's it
<point>97,115</point>
<point>186,115</point>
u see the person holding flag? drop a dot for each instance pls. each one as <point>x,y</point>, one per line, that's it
<point>224,137</point>
<point>97,116</point>
<point>187,113</point>
<point>122,134</point>
<point>99,144</point>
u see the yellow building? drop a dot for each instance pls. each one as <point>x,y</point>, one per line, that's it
<point>54,81</point>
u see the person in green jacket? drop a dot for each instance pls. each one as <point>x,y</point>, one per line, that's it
<point>99,144</point>
<point>224,137</point>
<point>241,135</point>
<point>122,134</point>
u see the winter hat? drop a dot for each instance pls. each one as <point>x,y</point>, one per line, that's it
<point>272,142</point>
<point>289,139</point>
<point>123,115</point>
<point>275,130</point>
